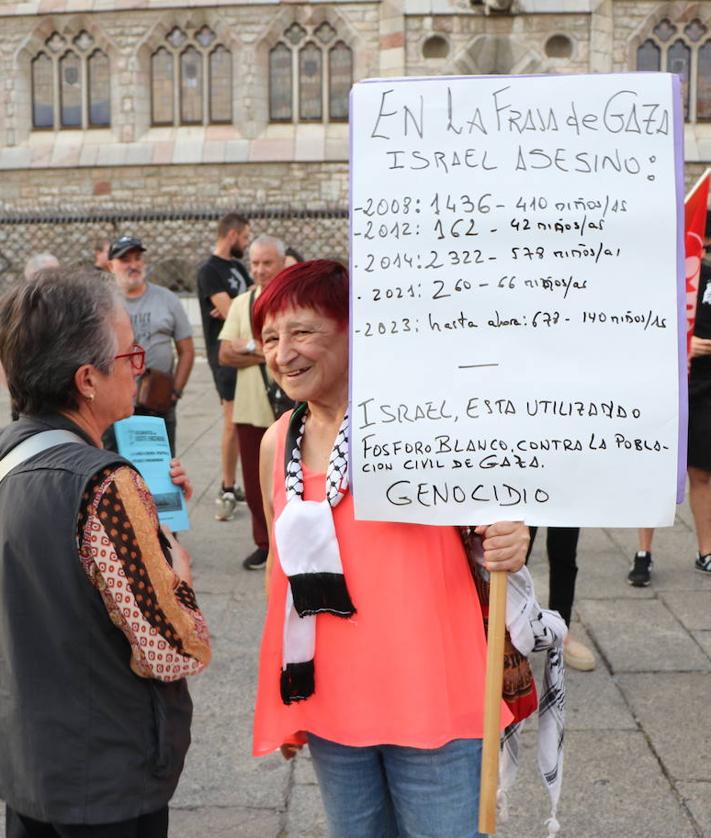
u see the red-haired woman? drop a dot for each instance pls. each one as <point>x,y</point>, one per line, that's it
<point>386,683</point>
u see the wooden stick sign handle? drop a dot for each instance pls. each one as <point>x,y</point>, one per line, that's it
<point>492,702</point>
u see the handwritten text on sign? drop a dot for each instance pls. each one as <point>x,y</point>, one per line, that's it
<point>515,314</point>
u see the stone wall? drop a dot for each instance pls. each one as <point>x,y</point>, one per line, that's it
<point>129,37</point>
<point>252,162</point>
<point>490,44</point>
<point>164,187</point>
<point>176,242</point>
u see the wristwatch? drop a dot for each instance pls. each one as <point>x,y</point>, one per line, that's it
<point>251,346</point>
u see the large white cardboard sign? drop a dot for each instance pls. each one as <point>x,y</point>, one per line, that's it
<point>517,281</point>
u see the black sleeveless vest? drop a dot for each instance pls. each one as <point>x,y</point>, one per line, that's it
<point>82,739</point>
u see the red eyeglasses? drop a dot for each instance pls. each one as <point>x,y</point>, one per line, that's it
<point>137,356</point>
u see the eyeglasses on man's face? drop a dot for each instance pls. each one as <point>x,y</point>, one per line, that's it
<point>137,356</point>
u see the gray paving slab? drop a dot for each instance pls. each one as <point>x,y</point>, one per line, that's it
<point>305,815</point>
<point>641,636</point>
<point>613,787</point>
<point>703,638</point>
<point>594,701</point>
<point>691,608</point>
<point>226,822</point>
<point>697,797</point>
<point>672,710</point>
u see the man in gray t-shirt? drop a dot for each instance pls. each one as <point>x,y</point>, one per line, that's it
<point>158,319</point>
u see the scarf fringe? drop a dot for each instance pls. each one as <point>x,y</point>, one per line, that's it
<point>552,826</point>
<point>297,681</point>
<point>319,593</point>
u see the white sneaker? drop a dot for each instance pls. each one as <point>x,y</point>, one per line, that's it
<point>578,656</point>
<point>226,503</point>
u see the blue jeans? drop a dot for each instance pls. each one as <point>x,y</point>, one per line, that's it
<point>390,791</point>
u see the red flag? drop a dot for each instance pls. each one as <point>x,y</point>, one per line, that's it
<point>695,210</point>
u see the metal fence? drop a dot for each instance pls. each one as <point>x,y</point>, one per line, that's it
<point>177,241</point>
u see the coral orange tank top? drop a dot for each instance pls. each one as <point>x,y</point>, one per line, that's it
<point>408,668</point>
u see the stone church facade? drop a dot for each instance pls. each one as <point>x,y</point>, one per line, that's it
<point>168,103</point>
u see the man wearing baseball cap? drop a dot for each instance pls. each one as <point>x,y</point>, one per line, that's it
<point>159,324</point>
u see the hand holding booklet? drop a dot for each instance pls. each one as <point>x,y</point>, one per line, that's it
<point>144,441</point>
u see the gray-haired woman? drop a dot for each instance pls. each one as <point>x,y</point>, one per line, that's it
<point>100,623</point>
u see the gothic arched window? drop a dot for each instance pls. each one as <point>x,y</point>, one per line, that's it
<point>684,49</point>
<point>42,91</point>
<point>162,93</point>
<point>340,71</point>
<point>99,89</point>
<point>220,85</point>
<point>310,83</point>
<point>310,77</point>
<point>70,90</point>
<point>280,84</point>
<point>191,79</point>
<point>71,83</point>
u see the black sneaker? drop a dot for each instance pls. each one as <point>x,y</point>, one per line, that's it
<point>256,560</point>
<point>703,564</point>
<point>641,574</point>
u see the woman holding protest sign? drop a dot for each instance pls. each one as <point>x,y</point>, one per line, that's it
<point>386,684</point>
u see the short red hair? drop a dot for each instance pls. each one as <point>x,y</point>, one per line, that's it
<point>320,284</point>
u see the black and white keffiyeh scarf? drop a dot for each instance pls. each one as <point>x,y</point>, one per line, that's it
<point>536,629</point>
<point>310,558</point>
<point>533,629</point>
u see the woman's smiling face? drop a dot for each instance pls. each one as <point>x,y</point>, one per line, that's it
<point>307,353</point>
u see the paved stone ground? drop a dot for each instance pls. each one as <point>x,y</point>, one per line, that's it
<point>638,742</point>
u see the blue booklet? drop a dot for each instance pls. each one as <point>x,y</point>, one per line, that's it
<point>144,441</point>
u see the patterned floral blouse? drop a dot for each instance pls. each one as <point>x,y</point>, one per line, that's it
<point>127,558</point>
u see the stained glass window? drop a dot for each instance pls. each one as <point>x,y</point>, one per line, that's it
<point>325,33</point>
<point>649,57</point>
<point>695,30</point>
<point>176,37</point>
<point>162,80</point>
<point>340,76</point>
<point>42,93</point>
<point>99,89</point>
<point>703,83</point>
<point>678,61</point>
<point>194,72</point>
<point>70,90</point>
<point>205,37</point>
<point>280,84</point>
<point>71,82</point>
<point>56,42</point>
<point>310,83</point>
<point>191,86</point>
<point>664,30</point>
<point>84,40</point>
<point>324,75</point>
<point>295,34</point>
<point>220,85</point>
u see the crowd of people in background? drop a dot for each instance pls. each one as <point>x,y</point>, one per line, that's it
<point>227,284</point>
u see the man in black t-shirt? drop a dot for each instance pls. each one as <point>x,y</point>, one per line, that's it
<point>221,278</point>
